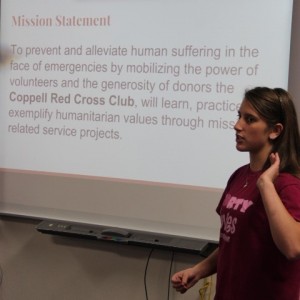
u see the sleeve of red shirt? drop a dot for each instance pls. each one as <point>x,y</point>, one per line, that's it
<point>288,188</point>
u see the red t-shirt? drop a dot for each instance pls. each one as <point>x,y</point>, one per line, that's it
<point>250,266</point>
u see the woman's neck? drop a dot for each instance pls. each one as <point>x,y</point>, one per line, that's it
<point>257,162</point>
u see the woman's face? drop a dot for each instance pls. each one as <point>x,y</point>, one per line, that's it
<point>252,132</point>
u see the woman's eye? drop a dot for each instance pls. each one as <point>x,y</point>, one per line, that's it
<point>250,119</point>
<point>247,118</point>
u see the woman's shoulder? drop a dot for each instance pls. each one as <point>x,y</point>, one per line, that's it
<point>288,188</point>
<point>286,179</point>
<point>241,170</point>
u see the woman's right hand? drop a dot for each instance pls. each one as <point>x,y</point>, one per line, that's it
<point>183,280</point>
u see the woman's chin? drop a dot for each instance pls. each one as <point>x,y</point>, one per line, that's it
<point>240,148</point>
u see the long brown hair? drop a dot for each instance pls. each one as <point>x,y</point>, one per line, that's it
<point>276,106</point>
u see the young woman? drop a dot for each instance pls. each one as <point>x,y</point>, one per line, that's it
<point>259,247</point>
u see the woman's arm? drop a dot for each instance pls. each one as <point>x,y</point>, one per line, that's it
<point>284,228</point>
<point>183,280</point>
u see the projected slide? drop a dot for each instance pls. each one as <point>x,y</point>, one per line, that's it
<point>134,90</point>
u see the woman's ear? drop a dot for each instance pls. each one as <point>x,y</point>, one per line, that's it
<point>276,131</point>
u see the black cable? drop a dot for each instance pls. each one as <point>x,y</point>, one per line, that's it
<point>1,275</point>
<point>170,273</point>
<point>145,274</point>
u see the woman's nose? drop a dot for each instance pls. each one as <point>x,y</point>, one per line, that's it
<point>237,126</point>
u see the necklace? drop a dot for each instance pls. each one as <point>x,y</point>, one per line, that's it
<point>246,176</point>
<point>249,176</point>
